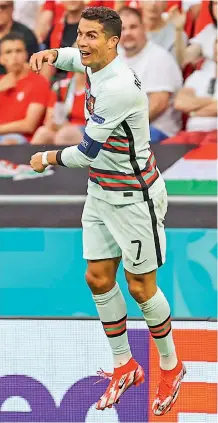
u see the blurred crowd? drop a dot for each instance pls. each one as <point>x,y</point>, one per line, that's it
<point>170,45</point>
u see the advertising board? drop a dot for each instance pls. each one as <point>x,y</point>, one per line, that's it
<point>48,372</point>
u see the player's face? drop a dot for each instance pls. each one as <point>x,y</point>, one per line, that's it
<point>74,5</point>
<point>13,55</point>
<point>133,33</point>
<point>93,44</point>
<point>6,11</point>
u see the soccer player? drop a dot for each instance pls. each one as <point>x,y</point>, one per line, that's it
<point>126,203</point>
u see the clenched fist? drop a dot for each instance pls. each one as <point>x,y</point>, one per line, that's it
<point>36,163</point>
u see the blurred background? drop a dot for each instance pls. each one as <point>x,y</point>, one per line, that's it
<point>172,46</point>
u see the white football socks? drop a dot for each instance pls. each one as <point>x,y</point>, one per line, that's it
<point>113,314</point>
<point>156,312</point>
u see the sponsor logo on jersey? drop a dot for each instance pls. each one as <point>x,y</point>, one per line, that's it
<point>97,119</point>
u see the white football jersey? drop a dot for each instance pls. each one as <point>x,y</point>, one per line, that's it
<point>123,169</point>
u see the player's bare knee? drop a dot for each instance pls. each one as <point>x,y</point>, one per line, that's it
<point>141,287</point>
<point>136,288</point>
<point>99,284</point>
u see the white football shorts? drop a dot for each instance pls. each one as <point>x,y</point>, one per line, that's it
<point>134,231</point>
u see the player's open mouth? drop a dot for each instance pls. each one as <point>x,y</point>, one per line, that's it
<point>84,53</point>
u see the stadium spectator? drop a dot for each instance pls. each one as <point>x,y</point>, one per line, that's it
<point>190,9</point>
<point>158,29</point>
<point>51,13</point>
<point>26,12</point>
<point>7,25</point>
<point>158,72</point>
<point>201,45</point>
<point>64,33</point>
<point>23,94</point>
<point>65,122</point>
<point>62,23</point>
<point>198,99</point>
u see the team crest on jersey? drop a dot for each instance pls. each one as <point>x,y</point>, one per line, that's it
<point>90,106</point>
<point>90,102</point>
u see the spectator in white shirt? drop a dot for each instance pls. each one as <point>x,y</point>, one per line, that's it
<point>158,29</point>
<point>198,100</point>
<point>201,46</point>
<point>158,72</point>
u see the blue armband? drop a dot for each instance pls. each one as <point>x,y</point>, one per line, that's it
<point>89,147</point>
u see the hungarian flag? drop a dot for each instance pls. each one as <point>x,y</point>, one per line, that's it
<point>195,173</point>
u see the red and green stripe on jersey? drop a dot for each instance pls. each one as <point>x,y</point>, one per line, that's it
<point>120,181</point>
<point>116,145</point>
<point>115,328</point>
<point>161,330</point>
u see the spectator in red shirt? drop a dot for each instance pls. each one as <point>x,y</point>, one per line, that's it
<point>23,94</point>
<point>51,13</point>
<point>64,122</point>
<point>64,33</point>
<point>61,20</point>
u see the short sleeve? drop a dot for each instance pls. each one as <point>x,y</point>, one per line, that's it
<point>111,108</point>
<point>69,60</point>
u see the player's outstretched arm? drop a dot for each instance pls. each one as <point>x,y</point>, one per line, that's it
<point>67,59</point>
<point>68,157</point>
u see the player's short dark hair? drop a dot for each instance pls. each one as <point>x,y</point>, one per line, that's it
<point>132,11</point>
<point>13,36</point>
<point>107,17</point>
